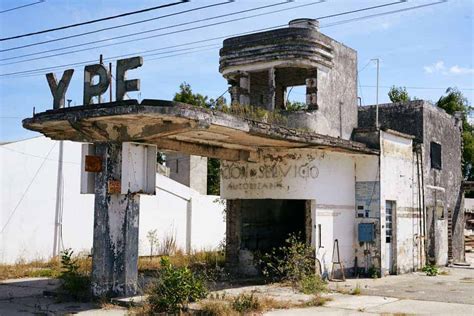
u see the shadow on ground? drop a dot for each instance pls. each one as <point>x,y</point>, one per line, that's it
<point>25,296</point>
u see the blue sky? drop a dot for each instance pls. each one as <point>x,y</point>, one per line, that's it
<point>429,48</point>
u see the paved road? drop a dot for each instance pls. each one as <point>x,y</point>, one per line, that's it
<point>378,305</point>
<point>457,286</point>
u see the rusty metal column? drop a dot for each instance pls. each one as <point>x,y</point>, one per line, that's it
<point>115,253</point>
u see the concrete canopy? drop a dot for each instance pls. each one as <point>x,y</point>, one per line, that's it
<point>180,127</point>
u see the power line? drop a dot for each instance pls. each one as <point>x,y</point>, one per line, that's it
<point>149,37</point>
<point>153,30</point>
<point>26,191</point>
<point>156,18</point>
<point>163,28</point>
<point>117,26</point>
<point>419,88</point>
<point>22,6</point>
<point>93,21</point>
<point>384,13</point>
<point>40,70</point>
<point>36,156</point>
<point>163,34</point>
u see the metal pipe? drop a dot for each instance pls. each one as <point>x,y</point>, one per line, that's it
<point>110,85</point>
<point>420,228</point>
<point>189,218</point>
<point>59,185</point>
<point>377,96</point>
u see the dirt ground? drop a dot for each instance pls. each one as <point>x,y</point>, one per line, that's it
<point>415,293</point>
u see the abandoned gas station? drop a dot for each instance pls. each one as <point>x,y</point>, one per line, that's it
<point>384,181</point>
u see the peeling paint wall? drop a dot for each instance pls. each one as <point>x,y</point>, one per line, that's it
<point>429,123</point>
<point>188,170</point>
<point>367,211</point>
<point>115,255</point>
<point>399,184</point>
<point>325,179</point>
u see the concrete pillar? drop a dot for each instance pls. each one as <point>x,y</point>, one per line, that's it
<point>233,228</point>
<point>115,253</point>
<point>244,93</point>
<point>271,89</point>
<point>312,92</point>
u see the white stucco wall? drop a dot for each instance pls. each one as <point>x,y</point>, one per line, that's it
<point>398,174</point>
<point>326,178</point>
<point>27,232</point>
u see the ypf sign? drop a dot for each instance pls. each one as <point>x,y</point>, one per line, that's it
<point>91,90</point>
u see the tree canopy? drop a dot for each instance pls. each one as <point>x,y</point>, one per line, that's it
<point>398,94</point>
<point>186,95</point>
<point>454,101</point>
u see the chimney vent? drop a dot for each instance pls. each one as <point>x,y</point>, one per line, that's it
<point>305,23</point>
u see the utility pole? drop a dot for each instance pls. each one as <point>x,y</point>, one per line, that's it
<point>59,199</point>
<point>377,97</point>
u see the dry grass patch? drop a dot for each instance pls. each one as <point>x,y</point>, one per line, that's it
<point>250,304</point>
<point>217,308</point>
<point>40,268</point>
<point>24,269</point>
<point>356,290</point>
<point>318,301</point>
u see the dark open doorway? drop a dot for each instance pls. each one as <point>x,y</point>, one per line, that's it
<point>267,223</point>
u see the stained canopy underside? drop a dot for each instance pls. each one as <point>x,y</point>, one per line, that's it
<point>180,127</point>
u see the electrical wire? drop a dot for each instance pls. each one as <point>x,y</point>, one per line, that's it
<point>36,156</point>
<point>26,191</point>
<point>120,26</point>
<point>22,6</point>
<point>93,21</point>
<point>160,28</point>
<point>133,40</point>
<point>319,18</point>
<point>383,13</point>
<point>268,28</point>
<point>138,39</point>
<point>418,88</point>
<point>41,70</point>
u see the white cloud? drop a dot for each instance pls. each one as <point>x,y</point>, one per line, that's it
<point>460,70</point>
<point>439,67</point>
<point>436,67</point>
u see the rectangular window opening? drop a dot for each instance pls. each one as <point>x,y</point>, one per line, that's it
<point>319,236</point>
<point>435,155</point>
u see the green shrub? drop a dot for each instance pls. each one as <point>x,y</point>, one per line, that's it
<point>245,303</point>
<point>356,290</point>
<point>312,284</point>
<point>74,283</point>
<point>175,288</point>
<point>373,272</point>
<point>293,263</point>
<point>255,113</point>
<point>430,270</point>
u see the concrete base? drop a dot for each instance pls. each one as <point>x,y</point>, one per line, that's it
<point>115,252</point>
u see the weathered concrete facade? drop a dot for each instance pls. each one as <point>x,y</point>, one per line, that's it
<point>115,255</point>
<point>382,194</point>
<point>398,192</point>
<point>329,194</point>
<point>261,67</point>
<point>189,170</point>
<point>442,193</point>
